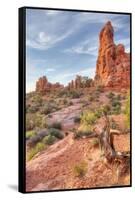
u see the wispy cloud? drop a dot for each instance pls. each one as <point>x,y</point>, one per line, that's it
<point>52,12</point>
<point>61,44</point>
<point>89,46</point>
<point>44,41</point>
<point>50,70</point>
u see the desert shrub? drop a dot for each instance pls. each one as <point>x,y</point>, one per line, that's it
<point>49,139</point>
<point>32,108</point>
<point>46,109</point>
<point>98,112</point>
<point>88,118</point>
<point>56,125</point>
<point>118,97</point>
<point>106,109</point>
<point>62,93</point>
<point>30,134</point>
<point>38,147</point>
<point>99,88</point>
<point>116,106</point>
<point>37,99</point>
<point>83,130</point>
<point>95,142</point>
<point>91,98</point>
<point>65,101</point>
<point>110,95</point>
<point>127,111</point>
<point>80,169</point>
<point>77,119</point>
<point>115,103</point>
<point>35,121</point>
<point>74,94</point>
<point>116,109</point>
<point>113,124</point>
<point>55,132</point>
<point>29,122</point>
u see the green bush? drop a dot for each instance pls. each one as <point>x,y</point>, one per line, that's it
<point>46,109</point>
<point>113,124</point>
<point>91,98</point>
<point>30,134</point>
<point>99,88</point>
<point>116,109</point>
<point>80,169</point>
<point>95,142</point>
<point>118,97</point>
<point>32,108</point>
<point>74,94</point>
<point>49,139</point>
<point>77,119</point>
<point>56,125</point>
<point>110,95</point>
<point>106,109</point>
<point>39,147</point>
<point>55,132</point>
<point>83,130</point>
<point>88,118</point>
<point>62,93</point>
<point>65,102</point>
<point>37,99</point>
<point>35,121</point>
<point>98,112</point>
<point>115,103</point>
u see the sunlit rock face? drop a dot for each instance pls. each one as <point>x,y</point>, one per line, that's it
<point>113,63</point>
<point>43,86</point>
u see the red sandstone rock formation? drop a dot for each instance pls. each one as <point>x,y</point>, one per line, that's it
<point>113,63</point>
<point>43,86</point>
<point>80,82</point>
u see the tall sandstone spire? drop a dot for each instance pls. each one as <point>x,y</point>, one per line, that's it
<point>113,63</point>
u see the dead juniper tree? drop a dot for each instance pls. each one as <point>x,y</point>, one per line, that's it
<point>121,160</point>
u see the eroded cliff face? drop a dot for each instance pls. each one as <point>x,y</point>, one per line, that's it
<point>113,63</point>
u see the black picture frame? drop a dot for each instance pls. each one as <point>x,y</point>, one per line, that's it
<point>22,103</point>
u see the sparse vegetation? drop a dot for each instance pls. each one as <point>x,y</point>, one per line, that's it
<point>30,134</point>
<point>32,152</point>
<point>56,125</point>
<point>55,132</point>
<point>95,142</point>
<point>35,121</point>
<point>49,139</point>
<point>83,130</point>
<point>80,169</point>
<point>99,88</point>
<point>110,95</point>
<point>88,118</point>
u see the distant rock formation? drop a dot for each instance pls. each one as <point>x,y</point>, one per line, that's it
<point>43,86</point>
<point>113,63</point>
<point>80,82</point>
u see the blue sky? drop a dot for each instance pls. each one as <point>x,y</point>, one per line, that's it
<point>62,44</point>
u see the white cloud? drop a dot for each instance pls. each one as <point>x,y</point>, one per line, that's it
<point>44,41</point>
<point>89,47</point>
<point>50,70</point>
<point>52,12</point>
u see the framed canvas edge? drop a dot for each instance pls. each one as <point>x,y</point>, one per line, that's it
<point>22,92</point>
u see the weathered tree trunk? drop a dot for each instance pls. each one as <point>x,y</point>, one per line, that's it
<point>121,159</point>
